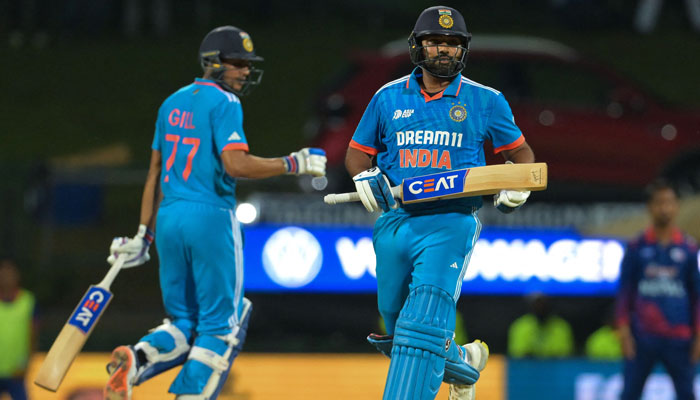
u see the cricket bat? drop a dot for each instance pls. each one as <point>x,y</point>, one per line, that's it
<point>467,182</point>
<point>75,332</point>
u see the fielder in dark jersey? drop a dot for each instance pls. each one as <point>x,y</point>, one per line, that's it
<point>657,307</point>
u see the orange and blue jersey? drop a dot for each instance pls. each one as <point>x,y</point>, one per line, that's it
<point>660,287</point>
<point>194,126</point>
<point>413,133</point>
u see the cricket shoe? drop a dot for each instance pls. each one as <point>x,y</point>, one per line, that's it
<point>122,370</point>
<point>477,353</point>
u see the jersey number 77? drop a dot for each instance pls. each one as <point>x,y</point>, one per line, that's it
<point>194,142</point>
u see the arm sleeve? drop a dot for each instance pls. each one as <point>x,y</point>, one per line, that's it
<point>625,290</point>
<point>501,129</point>
<point>367,136</point>
<point>227,123</point>
<point>694,282</point>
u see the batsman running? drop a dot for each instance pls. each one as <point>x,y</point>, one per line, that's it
<point>199,149</point>
<point>432,120</point>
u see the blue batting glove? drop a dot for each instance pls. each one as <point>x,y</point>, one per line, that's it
<point>375,190</point>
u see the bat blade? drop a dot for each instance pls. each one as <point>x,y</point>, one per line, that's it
<point>475,181</point>
<point>72,337</point>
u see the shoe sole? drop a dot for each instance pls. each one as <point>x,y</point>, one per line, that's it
<point>117,387</point>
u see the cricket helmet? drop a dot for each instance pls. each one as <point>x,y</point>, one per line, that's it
<point>229,43</point>
<point>440,20</point>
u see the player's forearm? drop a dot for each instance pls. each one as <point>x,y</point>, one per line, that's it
<point>357,161</point>
<point>151,192</point>
<point>240,164</point>
<point>149,201</point>
<point>520,154</point>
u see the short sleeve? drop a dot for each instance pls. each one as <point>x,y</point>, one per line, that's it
<point>501,129</point>
<point>227,123</point>
<point>367,135</point>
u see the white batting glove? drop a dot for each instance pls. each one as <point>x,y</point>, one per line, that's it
<point>375,190</point>
<point>135,249</point>
<point>507,201</point>
<point>309,160</point>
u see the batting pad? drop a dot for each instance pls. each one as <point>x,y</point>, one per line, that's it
<point>422,342</point>
<point>166,346</point>
<point>209,362</point>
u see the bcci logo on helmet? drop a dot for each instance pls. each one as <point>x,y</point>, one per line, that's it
<point>247,42</point>
<point>445,19</point>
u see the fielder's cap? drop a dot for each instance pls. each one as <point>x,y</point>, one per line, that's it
<point>441,20</point>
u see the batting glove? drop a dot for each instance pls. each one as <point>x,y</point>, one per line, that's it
<point>135,249</point>
<point>507,201</point>
<point>309,160</point>
<point>374,190</point>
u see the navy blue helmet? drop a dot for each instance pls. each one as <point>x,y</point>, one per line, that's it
<point>440,20</point>
<point>229,43</point>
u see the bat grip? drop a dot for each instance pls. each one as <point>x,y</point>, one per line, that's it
<point>106,282</point>
<point>337,198</point>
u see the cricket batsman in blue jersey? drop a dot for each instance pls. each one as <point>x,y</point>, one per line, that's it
<point>199,149</point>
<point>658,304</point>
<point>430,121</point>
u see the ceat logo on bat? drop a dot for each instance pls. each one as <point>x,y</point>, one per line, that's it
<point>89,308</point>
<point>435,185</point>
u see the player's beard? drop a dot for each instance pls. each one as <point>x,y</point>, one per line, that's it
<point>443,63</point>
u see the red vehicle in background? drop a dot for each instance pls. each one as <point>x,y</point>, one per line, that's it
<point>603,136</point>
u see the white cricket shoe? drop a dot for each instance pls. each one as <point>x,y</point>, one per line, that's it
<point>122,370</point>
<point>477,353</point>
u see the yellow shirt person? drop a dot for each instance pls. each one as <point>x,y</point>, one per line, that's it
<point>540,334</point>
<point>604,344</point>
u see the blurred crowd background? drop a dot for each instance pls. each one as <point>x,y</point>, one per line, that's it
<point>81,82</point>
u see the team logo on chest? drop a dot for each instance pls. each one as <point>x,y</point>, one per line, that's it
<point>458,113</point>
<point>677,255</point>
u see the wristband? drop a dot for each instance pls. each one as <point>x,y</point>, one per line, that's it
<point>290,164</point>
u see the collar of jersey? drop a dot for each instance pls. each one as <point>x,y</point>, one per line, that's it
<point>451,90</point>
<point>676,236</point>
<point>206,82</point>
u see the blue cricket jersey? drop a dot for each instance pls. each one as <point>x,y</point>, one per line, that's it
<point>660,287</point>
<point>413,133</point>
<point>195,125</point>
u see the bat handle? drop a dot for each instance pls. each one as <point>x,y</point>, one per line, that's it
<point>337,198</point>
<point>106,282</point>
